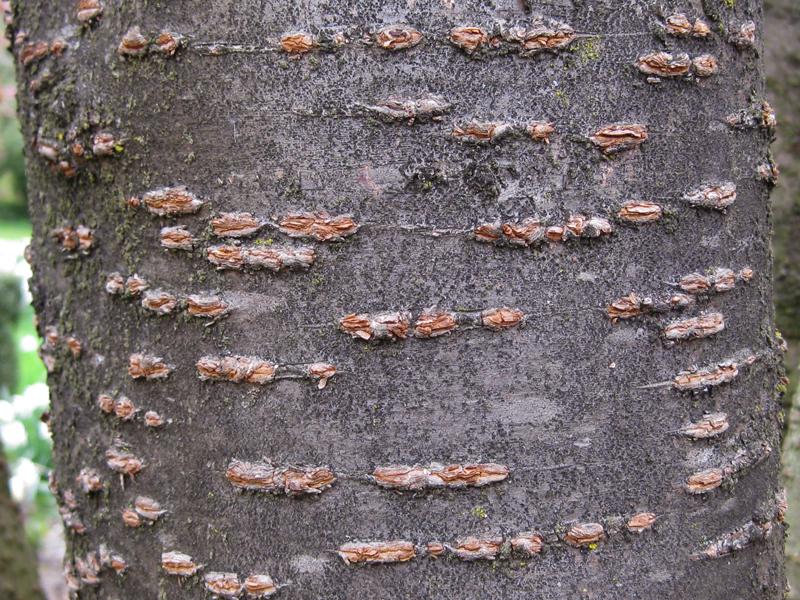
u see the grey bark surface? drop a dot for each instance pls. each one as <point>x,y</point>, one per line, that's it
<point>559,400</point>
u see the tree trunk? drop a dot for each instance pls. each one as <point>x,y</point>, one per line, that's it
<point>545,185</point>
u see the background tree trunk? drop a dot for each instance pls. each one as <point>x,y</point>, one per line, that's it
<point>560,399</point>
<point>18,574</point>
<point>782,60</point>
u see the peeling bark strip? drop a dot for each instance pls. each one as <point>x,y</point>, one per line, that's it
<point>238,369</point>
<point>89,10</point>
<point>291,481</point>
<point>162,302</point>
<point>122,461</point>
<point>298,43</point>
<point>131,519</point>
<point>758,114</point>
<point>136,45</point>
<point>389,325</point>
<point>640,212</point>
<point>527,544</point>
<point>641,522</point>
<point>125,409</point>
<point>235,224</point>
<point>247,369</point>
<point>145,366</point>
<point>474,548</point>
<point>744,36</point>
<point>33,52</point>
<point>206,307</point>
<point>706,377</point>
<point>619,137</point>
<point>168,202</point>
<point>717,196</point>
<point>704,481</point>
<point>434,549</point>
<point>664,64</point>
<point>437,476</point>
<point>696,327</point>
<point>177,563</point>
<point>531,232</point>
<point>480,132</point>
<point>705,65</point>
<point>427,108</point>
<point>781,505</point>
<point>540,37</point>
<point>105,403</point>
<point>376,552</point>
<point>153,419</point>
<point>679,25</point>
<point>491,547</point>
<point>711,425</point>
<point>585,534</point>
<point>74,240</point>
<point>134,285</point>
<point>498,319</point>
<point>541,131</point>
<point>738,539</point>
<point>275,258</point>
<point>431,323</point>
<point>89,481</point>
<point>469,38</point>
<point>260,586</point>
<point>768,172</point>
<point>319,226</point>
<point>226,585</point>
<point>719,280</point>
<point>147,508</point>
<point>104,144</point>
<point>710,479</point>
<point>434,322</point>
<point>133,43</point>
<point>89,568</point>
<point>398,37</point>
<point>159,302</point>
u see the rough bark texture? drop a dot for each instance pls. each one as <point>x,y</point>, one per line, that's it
<point>559,399</point>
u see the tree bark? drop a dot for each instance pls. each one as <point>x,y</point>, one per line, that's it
<point>563,415</point>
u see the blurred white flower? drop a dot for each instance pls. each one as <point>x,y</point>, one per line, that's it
<point>6,411</point>
<point>25,480</point>
<point>13,435</point>
<point>12,257</point>
<point>12,260</point>
<point>34,397</point>
<point>28,343</point>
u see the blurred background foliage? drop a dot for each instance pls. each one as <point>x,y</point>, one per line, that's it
<point>23,393</point>
<point>24,398</point>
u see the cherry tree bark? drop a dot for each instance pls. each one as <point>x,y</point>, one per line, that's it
<point>402,299</point>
